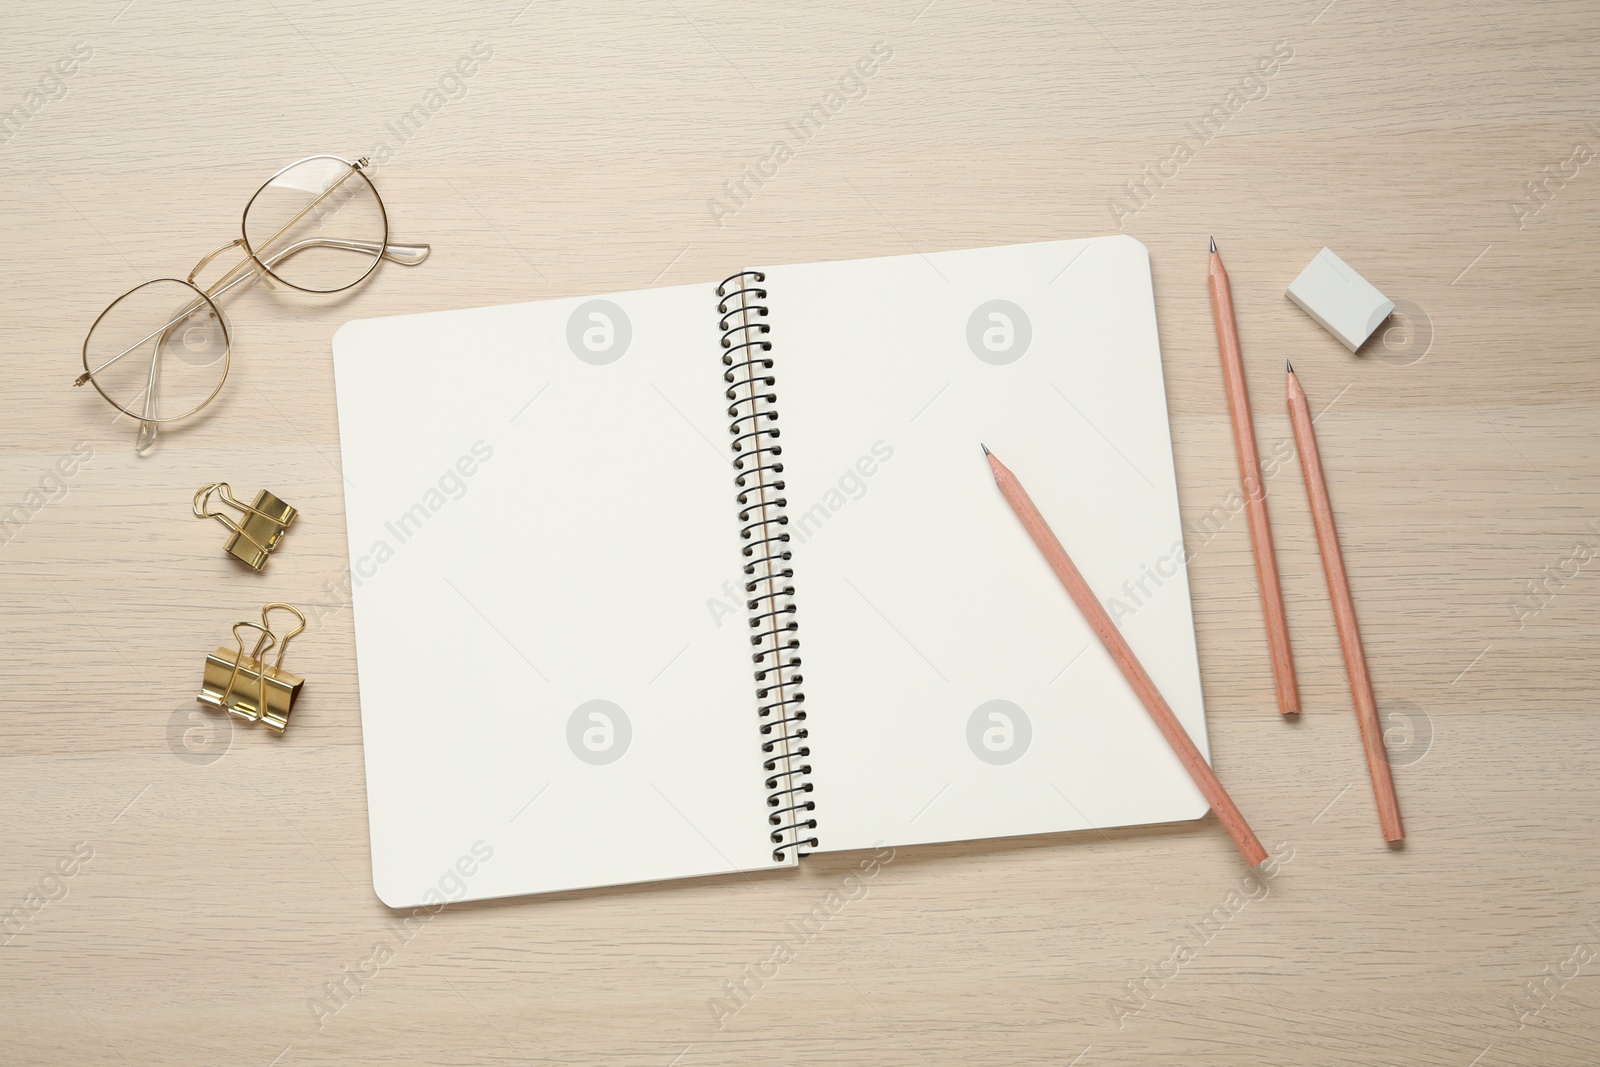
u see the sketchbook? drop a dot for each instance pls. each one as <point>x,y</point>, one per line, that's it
<point>701,579</point>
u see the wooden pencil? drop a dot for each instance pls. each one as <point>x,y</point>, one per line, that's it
<point>1255,491</point>
<point>1100,622</point>
<point>1344,613</point>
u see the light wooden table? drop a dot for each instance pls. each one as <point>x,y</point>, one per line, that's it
<point>229,881</point>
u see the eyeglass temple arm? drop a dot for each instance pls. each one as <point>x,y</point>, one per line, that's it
<point>148,427</point>
<point>408,255</point>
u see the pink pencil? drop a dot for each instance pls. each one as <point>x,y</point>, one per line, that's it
<point>1100,622</point>
<point>1344,613</point>
<point>1255,491</point>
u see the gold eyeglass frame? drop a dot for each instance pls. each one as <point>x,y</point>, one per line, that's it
<point>257,263</point>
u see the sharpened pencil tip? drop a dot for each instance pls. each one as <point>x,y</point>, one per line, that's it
<point>1213,244</point>
<point>984,447</point>
<point>1288,366</point>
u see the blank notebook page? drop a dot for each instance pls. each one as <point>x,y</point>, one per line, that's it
<point>952,689</point>
<point>531,532</point>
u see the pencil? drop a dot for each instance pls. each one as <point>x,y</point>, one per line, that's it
<point>1255,492</point>
<point>1344,613</point>
<point>1100,622</point>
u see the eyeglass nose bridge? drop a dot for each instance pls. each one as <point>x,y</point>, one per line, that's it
<point>247,261</point>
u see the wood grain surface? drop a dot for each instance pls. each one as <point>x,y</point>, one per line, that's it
<point>219,907</point>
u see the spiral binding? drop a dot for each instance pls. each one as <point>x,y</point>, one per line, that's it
<point>752,400</point>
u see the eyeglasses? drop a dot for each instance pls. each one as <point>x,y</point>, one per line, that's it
<point>160,352</point>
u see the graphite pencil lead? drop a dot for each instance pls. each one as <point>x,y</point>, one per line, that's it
<point>1288,366</point>
<point>984,447</point>
<point>1213,244</point>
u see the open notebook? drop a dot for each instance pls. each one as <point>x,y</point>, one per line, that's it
<point>691,580</point>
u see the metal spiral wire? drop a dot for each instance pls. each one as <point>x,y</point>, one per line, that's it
<point>774,637</point>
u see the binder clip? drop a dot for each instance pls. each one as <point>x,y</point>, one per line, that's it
<point>242,684</point>
<point>264,524</point>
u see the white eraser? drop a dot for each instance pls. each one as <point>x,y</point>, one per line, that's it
<point>1343,301</point>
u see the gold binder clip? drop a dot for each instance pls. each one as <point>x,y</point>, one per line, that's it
<point>243,685</point>
<point>265,521</point>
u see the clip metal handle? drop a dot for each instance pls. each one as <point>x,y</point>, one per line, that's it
<point>283,644</point>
